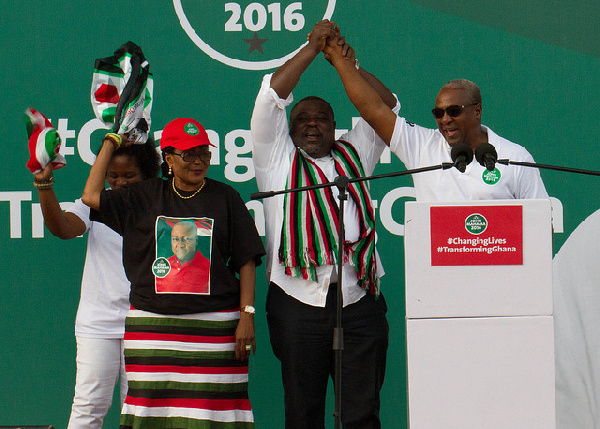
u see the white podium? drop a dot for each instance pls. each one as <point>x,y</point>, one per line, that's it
<point>479,322</point>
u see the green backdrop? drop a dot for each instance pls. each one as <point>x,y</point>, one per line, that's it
<point>537,64</point>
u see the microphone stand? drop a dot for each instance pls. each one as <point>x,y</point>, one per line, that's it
<point>549,167</point>
<point>269,194</point>
<point>342,182</point>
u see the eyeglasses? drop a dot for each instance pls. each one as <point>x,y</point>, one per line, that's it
<point>193,156</point>
<point>183,240</point>
<point>453,111</point>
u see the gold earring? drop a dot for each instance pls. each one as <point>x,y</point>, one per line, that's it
<point>170,171</point>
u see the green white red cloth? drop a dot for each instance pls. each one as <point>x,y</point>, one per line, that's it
<point>309,236</point>
<point>121,93</point>
<point>182,372</point>
<point>44,142</point>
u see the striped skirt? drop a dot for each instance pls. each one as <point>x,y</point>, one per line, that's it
<point>182,372</point>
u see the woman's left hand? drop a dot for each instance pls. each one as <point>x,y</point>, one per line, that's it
<point>244,337</point>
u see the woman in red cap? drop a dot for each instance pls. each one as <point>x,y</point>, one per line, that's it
<point>187,342</point>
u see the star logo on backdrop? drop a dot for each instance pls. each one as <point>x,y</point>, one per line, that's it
<point>255,43</point>
<point>224,37</point>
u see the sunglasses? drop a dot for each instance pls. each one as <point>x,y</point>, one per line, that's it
<point>193,156</point>
<point>453,111</point>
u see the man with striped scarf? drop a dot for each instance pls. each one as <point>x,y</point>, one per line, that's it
<point>302,245</point>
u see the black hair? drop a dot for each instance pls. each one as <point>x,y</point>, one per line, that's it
<point>144,155</point>
<point>313,98</point>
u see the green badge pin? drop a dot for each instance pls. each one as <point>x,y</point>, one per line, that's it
<point>491,177</point>
<point>161,267</point>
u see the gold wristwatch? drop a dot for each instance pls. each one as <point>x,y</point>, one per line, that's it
<point>249,309</point>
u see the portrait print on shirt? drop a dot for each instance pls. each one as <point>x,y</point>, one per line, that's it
<point>183,249</point>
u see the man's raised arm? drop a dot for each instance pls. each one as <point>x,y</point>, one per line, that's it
<point>287,76</point>
<point>367,93</point>
<point>348,52</point>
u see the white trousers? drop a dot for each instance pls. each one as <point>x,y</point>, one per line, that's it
<point>99,363</point>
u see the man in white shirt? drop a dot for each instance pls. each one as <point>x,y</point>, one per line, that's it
<point>457,113</point>
<point>302,243</point>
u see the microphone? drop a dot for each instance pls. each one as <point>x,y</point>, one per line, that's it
<point>486,155</point>
<point>261,195</point>
<point>461,155</point>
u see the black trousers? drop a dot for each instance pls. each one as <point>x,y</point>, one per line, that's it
<point>302,339</point>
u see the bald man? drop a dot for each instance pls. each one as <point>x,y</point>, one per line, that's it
<point>457,113</point>
<point>190,270</point>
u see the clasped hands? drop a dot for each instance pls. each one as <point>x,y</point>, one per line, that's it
<point>326,37</point>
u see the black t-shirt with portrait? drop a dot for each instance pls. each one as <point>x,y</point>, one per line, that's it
<point>135,211</point>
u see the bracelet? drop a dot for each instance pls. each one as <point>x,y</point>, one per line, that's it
<point>115,139</point>
<point>44,184</point>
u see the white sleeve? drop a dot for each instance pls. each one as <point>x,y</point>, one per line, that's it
<point>530,185</point>
<point>270,133</point>
<point>79,209</point>
<point>410,141</point>
<point>367,142</point>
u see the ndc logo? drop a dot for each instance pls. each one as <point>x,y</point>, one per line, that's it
<point>475,224</point>
<point>491,177</point>
<point>190,129</point>
<point>255,36</point>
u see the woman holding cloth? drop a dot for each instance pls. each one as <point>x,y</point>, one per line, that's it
<point>103,304</point>
<point>186,350</point>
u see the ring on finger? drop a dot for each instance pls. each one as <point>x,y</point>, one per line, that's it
<point>248,346</point>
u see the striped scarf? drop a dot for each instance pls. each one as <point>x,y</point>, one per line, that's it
<point>309,236</point>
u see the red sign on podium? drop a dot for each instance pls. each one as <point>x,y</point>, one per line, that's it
<point>476,235</point>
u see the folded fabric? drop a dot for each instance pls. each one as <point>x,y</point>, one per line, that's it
<point>44,142</point>
<point>122,92</point>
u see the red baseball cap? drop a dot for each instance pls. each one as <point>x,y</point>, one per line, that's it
<point>184,134</point>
